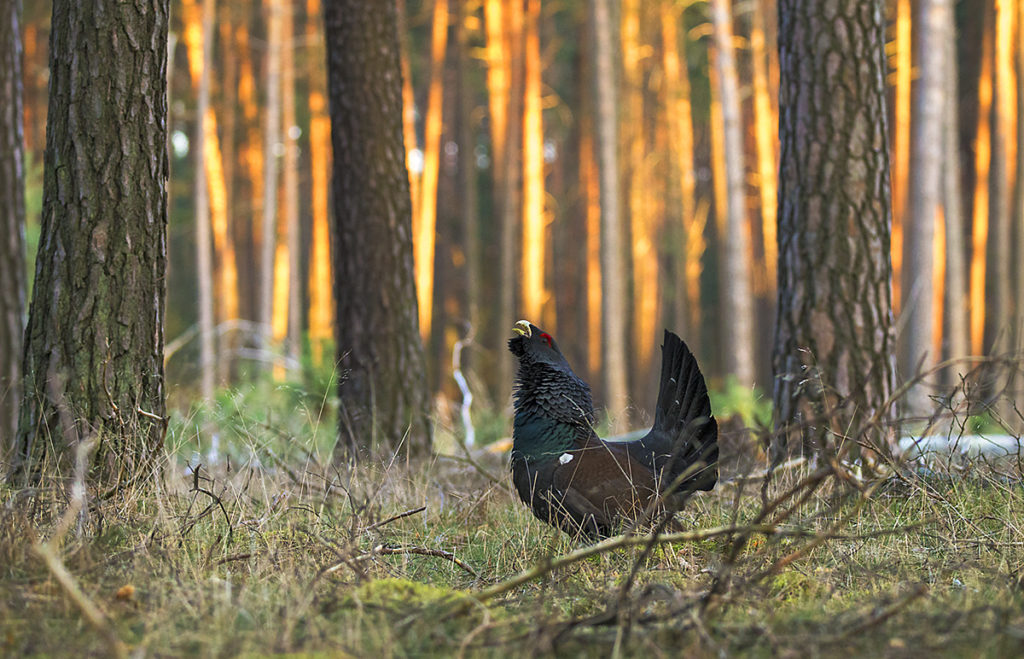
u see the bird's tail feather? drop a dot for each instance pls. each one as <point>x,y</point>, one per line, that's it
<point>683,420</point>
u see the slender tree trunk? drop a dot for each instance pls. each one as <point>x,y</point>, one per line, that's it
<point>94,346</point>
<point>1018,199</point>
<point>1000,287</point>
<point>534,285</point>
<point>958,337</point>
<point>426,232</point>
<point>738,304</point>
<point>321,311</point>
<point>679,108</point>
<point>765,134</point>
<point>383,395</point>
<point>290,180</point>
<point>901,140</point>
<point>204,253</point>
<point>613,268</point>
<point>12,224</point>
<point>467,172</point>
<point>510,198</point>
<point>833,360</point>
<point>980,211</point>
<point>925,199</point>
<point>271,142</point>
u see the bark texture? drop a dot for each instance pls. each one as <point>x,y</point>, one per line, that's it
<point>384,400</point>
<point>12,223</point>
<point>94,345</point>
<point>833,362</point>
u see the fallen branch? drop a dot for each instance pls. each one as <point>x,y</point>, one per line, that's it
<point>388,550</point>
<point>613,543</point>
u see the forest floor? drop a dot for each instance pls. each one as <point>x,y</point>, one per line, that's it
<point>277,553</point>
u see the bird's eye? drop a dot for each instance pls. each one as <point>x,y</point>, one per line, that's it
<point>546,337</point>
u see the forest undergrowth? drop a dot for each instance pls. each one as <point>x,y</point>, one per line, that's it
<point>265,548</point>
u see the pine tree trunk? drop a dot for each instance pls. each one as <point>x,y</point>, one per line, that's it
<point>738,304</point>
<point>467,171</point>
<point>271,138</point>
<point>94,354</point>
<point>12,223</point>
<point>958,343</point>
<point>924,197</point>
<point>384,400</point>
<point>833,361</point>
<point>204,253</point>
<point>613,276</point>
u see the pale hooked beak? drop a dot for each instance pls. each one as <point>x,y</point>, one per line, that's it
<point>522,328</point>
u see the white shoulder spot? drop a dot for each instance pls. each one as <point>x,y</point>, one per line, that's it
<point>565,458</point>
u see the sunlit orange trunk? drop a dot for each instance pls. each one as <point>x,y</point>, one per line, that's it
<point>1006,82</point>
<point>938,280</point>
<point>717,152</point>
<point>408,114</point>
<point>982,162</point>
<point>765,132</point>
<point>645,262</point>
<point>223,244</point>
<point>290,183</point>
<point>680,125</point>
<point>497,82</point>
<point>424,233</point>
<point>592,209</point>
<point>901,141</point>
<point>321,306</point>
<point>534,290</point>
<point>251,151</point>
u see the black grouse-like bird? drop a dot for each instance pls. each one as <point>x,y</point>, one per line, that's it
<point>582,484</point>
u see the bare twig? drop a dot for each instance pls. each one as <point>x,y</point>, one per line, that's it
<point>388,550</point>
<point>393,518</point>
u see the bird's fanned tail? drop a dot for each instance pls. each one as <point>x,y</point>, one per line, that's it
<point>684,439</point>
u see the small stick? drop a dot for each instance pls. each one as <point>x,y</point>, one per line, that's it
<point>407,513</point>
<point>386,550</point>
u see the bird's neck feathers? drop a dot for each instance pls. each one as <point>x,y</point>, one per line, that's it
<point>552,408</point>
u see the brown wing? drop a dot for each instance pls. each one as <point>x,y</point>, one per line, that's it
<point>604,477</point>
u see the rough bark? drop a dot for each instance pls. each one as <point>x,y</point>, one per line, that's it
<point>94,345</point>
<point>833,362</point>
<point>924,195</point>
<point>384,400</point>
<point>737,303</point>
<point>613,312</point>
<point>12,223</point>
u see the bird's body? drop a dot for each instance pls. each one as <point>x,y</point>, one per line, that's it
<point>580,483</point>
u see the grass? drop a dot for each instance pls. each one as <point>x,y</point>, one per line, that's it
<point>271,550</point>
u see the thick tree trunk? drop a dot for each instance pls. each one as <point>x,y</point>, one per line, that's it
<point>834,365</point>
<point>613,276</point>
<point>737,303</point>
<point>12,224</point>
<point>94,353</point>
<point>384,400</point>
<point>925,199</point>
